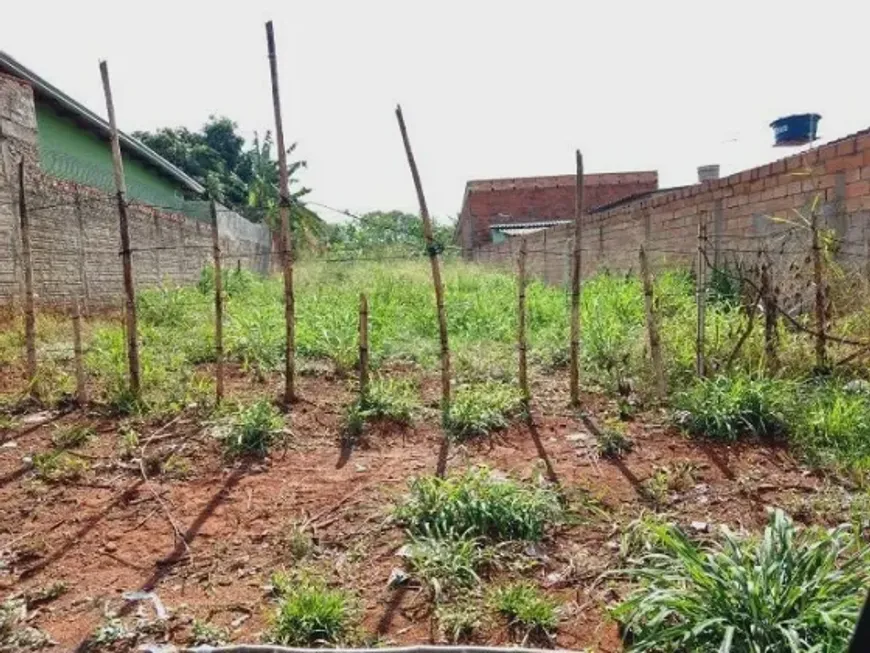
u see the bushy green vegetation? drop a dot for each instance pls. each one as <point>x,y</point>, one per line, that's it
<point>310,613</point>
<point>480,408</point>
<point>529,612</point>
<point>252,430</point>
<point>446,562</point>
<point>389,399</point>
<point>789,590</point>
<point>479,504</point>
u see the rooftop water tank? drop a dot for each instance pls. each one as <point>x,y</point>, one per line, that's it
<point>798,129</point>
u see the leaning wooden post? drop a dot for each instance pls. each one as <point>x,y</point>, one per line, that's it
<point>818,280</point>
<point>521,323</point>
<point>768,302</point>
<point>81,393</point>
<point>576,271</point>
<point>218,305</point>
<point>436,269</point>
<point>126,255</point>
<point>652,327</point>
<point>363,348</point>
<point>29,303</point>
<point>286,233</point>
<point>701,297</point>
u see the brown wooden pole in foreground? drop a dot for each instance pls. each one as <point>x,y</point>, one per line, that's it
<point>768,301</point>
<point>701,297</point>
<point>576,271</point>
<point>819,282</point>
<point>81,392</point>
<point>363,348</point>
<point>218,305</point>
<point>286,233</point>
<point>436,269</point>
<point>29,302</point>
<point>521,324</point>
<point>126,255</point>
<point>655,346</point>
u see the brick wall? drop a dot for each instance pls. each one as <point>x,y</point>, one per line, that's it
<point>743,213</point>
<point>74,229</point>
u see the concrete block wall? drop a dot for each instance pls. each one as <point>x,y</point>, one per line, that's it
<point>75,237</point>
<point>760,207</point>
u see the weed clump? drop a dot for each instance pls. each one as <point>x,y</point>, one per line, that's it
<point>446,562</point>
<point>727,408</point>
<point>386,399</point>
<point>789,590</point>
<point>529,612</point>
<point>72,437</point>
<point>479,504</point>
<point>253,430</point>
<point>479,409</point>
<point>310,613</point>
<point>58,466</point>
<point>612,443</point>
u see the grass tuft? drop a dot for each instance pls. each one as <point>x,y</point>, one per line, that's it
<point>72,437</point>
<point>311,614</point>
<point>479,409</point>
<point>528,611</point>
<point>446,562</point>
<point>387,399</point>
<point>479,504</point>
<point>253,430</point>
<point>789,590</point>
<point>58,466</point>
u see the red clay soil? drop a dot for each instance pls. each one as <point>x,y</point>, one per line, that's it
<point>111,531</point>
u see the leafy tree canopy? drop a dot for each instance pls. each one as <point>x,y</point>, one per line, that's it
<point>381,232</point>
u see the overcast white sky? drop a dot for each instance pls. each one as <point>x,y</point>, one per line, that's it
<point>489,88</point>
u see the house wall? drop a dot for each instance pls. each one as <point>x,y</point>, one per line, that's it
<point>745,212</point>
<point>74,227</point>
<point>68,151</point>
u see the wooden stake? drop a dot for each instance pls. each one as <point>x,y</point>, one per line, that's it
<point>768,301</point>
<point>218,305</point>
<point>701,296</point>
<point>655,349</point>
<point>286,233</point>
<point>363,348</point>
<point>576,271</point>
<point>818,280</point>
<point>81,392</point>
<point>521,323</point>
<point>126,255</point>
<point>29,303</point>
<point>436,269</point>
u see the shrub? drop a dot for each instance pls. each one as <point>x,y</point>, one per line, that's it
<point>446,561</point>
<point>727,408</point>
<point>479,504</point>
<point>478,409</point>
<point>389,399</point>
<point>311,614</point>
<point>72,437</point>
<point>253,430</point>
<point>611,443</point>
<point>789,590</point>
<point>527,610</point>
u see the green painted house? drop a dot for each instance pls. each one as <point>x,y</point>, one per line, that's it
<point>74,144</point>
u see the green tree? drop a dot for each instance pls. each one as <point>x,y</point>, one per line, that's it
<point>382,232</point>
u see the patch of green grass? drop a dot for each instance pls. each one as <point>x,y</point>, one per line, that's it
<point>612,443</point>
<point>479,409</point>
<point>73,436</point>
<point>789,590</point>
<point>386,399</point>
<point>459,620</point>
<point>203,633</point>
<point>480,504</point>
<point>253,430</point>
<point>529,612</point>
<point>727,408</point>
<point>446,562</point>
<point>311,614</point>
<point>58,466</point>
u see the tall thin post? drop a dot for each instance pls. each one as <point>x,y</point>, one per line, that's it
<point>286,234</point>
<point>521,323</point>
<point>652,327</point>
<point>218,305</point>
<point>701,297</point>
<point>126,255</point>
<point>29,303</point>
<point>81,393</point>
<point>820,309</point>
<point>576,271</point>
<point>768,302</point>
<point>363,347</point>
<point>436,269</point>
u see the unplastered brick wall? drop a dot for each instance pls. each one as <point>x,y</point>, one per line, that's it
<point>759,209</point>
<point>74,229</point>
